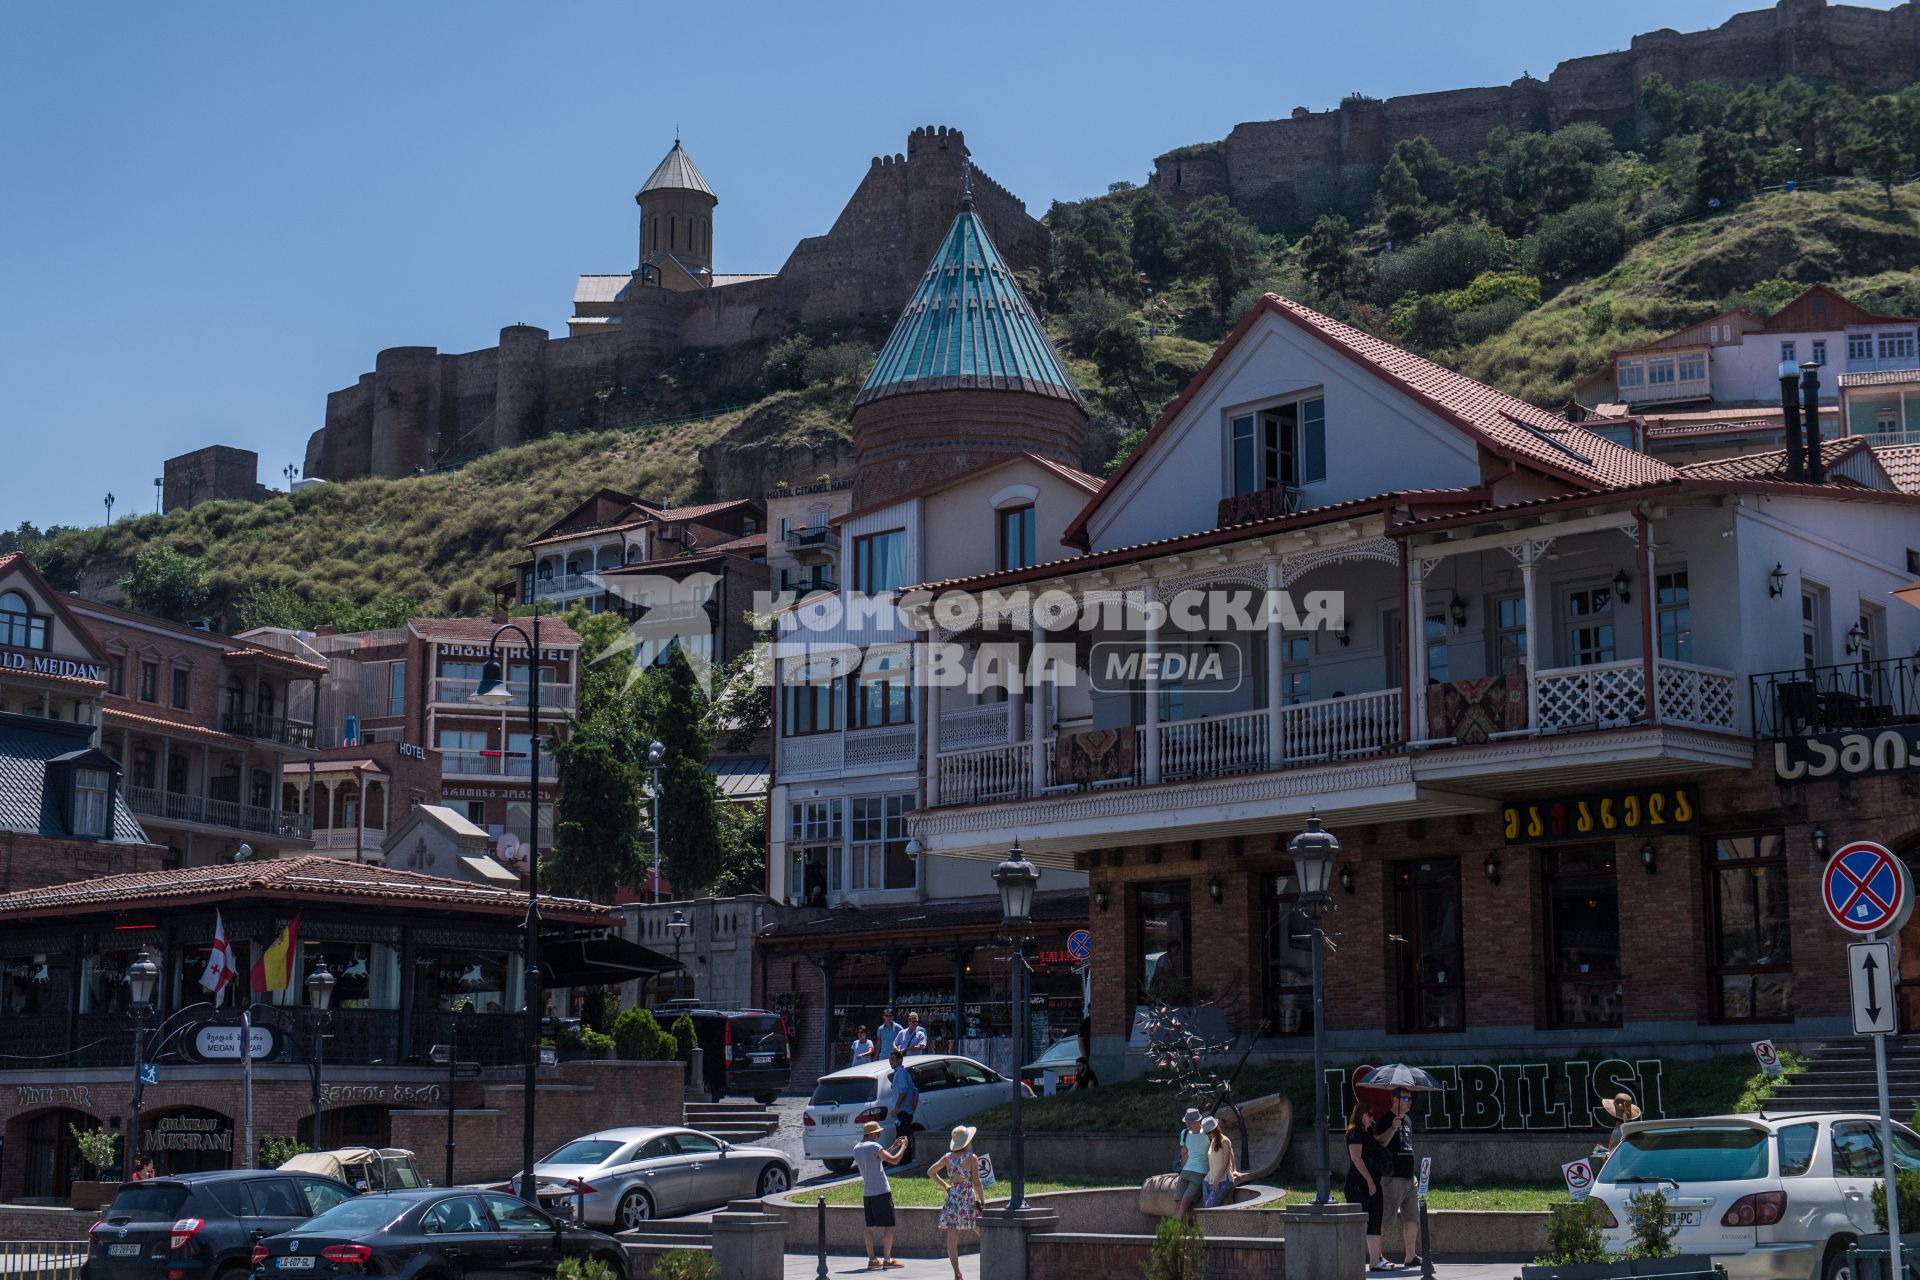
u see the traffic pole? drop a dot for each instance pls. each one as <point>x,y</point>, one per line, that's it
<point>1895,1267</point>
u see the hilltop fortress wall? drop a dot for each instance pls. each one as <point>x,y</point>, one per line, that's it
<point>419,404</point>
<point>1285,171</point>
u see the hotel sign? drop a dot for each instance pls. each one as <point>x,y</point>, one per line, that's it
<point>1641,811</point>
<point>481,651</point>
<point>41,664</point>
<point>1847,755</point>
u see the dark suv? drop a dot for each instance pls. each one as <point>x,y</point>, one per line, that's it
<point>744,1051</point>
<point>202,1226</point>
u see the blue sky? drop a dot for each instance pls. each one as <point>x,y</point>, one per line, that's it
<point>214,214</point>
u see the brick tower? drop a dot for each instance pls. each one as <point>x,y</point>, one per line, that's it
<point>676,223</point>
<point>967,376</point>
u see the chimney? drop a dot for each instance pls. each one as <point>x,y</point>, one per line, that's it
<point>1790,411</point>
<point>1810,411</point>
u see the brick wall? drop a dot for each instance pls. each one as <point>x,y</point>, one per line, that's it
<point>20,1223</point>
<point>788,976</point>
<point>29,862</point>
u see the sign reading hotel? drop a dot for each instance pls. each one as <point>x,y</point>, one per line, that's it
<point>481,651</point>
<point>40,664</point>
<point>1847,755</point>
<point>1641,811</point>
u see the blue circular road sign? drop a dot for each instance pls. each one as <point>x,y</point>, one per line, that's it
<point>1867,890</point>
<point>1080,944</point>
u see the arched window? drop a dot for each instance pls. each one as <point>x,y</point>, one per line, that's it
<point>673,232</point>
<point>20,626</point>
<point>653,240</point>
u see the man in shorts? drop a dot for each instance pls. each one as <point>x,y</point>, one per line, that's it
<point>1400,1188</point>
<point>1193,1163</point>
<point>872,1160</point>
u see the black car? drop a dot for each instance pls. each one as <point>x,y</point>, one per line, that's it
<point>434,1233</point>
<point>744,1051</point>
<point>202,1226</point>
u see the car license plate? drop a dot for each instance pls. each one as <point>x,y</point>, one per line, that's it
<point>123,1251</point>
<point>833,1119</point>
<point>760,1059</point>
<point>296,1264</point>
<point>1686,1217</point>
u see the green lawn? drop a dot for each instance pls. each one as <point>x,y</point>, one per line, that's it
<point>918,1191</point>
<point>1505,1195</point>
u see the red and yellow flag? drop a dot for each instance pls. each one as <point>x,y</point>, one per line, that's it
<point>273,968</point>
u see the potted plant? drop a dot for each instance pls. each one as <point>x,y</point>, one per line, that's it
<point>100,1150</point>
<point>1869,1257</point>
<point>1576,1250</point>
<point>1653,1224</point>
<point>596,1046</point>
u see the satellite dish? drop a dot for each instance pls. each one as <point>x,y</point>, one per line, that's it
<point>244,852</point>
<point>510,847</point>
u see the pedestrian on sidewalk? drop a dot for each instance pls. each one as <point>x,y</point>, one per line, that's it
<point>876,1192</point>
<point>911,1038</point>
<point>1400,1188</point>
<point>1222,1175</point>
<point>958,1173</point>
<point>1620,1107</point>
<point>1193,1164</point>
<point>1366,1159</point>
<point>906,1100</point>
<point>885,1034</point>
<point>862,1047</point>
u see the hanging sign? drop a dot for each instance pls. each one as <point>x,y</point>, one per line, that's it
<point>216,1042</point>
<point>1598,814</point>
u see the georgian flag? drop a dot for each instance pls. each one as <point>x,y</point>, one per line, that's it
<point>220,967</point>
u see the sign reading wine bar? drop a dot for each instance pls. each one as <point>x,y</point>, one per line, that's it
<point>1600,814</point>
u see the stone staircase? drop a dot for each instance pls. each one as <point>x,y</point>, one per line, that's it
<point>1838,1075</point>
<point>666,1234</point>
<point>742,1122</point>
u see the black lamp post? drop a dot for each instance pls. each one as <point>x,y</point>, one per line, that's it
<point>320,984</point>
<point>143,975</point>
<point>1314,853</point>
<point>494,692</point>
<point>677,925</point>
<point>1017,878</point>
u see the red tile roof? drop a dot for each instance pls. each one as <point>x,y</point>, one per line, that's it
<point>1901,462</point>
<point>169,725</point>
<point>553,632</point>
<point>1687,430</point>
<point>740,546</point>
<point>1503,424</point>
<point>674,514</point>
<point>1879,378</point>
<point>275,656</point>
<point>1771,465</point>
<point>302,879</point>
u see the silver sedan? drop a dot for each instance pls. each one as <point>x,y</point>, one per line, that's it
<point>637,1174</point>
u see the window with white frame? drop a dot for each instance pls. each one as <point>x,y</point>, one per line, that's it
<point>1859,346</point>
<point>1868,643</point>
<point>1589,626</point>
<point>878,850</point>
<point>1438,666</point>
<point>91,790</point>
<point>1787,353</point>
<point>1713,333</point>
<point>1633,374</point>
<point>1896,344</point>
<point>1819,355</point>
<point>813,839</point>
<point>882,691</point>
<point>1296,680</point>
<point>1693,368</point>
<point>1510,635</point>
<point>811,701</point>
<point>1885,419</point>
<point>1284,446</point>
<point>1660,372</point>
<point>1813,630</point>
<point>1673,615</point>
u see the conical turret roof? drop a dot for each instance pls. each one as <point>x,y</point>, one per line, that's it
<point>968,326</point>
<point>677,173</point>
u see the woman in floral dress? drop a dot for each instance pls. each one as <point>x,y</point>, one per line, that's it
<point>958,1172</point>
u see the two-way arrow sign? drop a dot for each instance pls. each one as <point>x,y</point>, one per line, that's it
<point>1870,976</point>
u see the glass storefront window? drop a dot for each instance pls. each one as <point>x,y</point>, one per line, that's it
<point>1287,942</point>
<point>1425,955</point>
<point>103,981</point>
<point>31,984</point>
<point>1750,947</point>
<point>450,980</point>
<point>366,974</point>
<point>1161,940</point>
<point>1583,937</point>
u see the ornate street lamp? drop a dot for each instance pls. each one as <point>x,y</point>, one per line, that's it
<point>656,757</point>
<point>1315,851</point>
<point>320,984</point>
<point>1017,878</point>
<point>677,925</point>
<point>143,976</point>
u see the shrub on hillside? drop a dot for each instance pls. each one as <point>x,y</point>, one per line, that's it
<point>1449,258</point>
<point>1587,235</point>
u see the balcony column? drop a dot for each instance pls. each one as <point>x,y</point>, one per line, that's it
<point>1276,678</point>
<point>206,780</point>
<point>1415,625</point>
<point>929,723</point>
<point>126,763</point>
<point>360,815</point>
<point>1037,713</point>
<point>1641,531</point>
<point>1150,597</point>
<point>1528,554</point>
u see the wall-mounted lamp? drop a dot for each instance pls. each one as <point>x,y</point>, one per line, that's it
<point>1622,587</point>
<point>1216,890</point>
<point>1100,898</point>
<point>1493,868</point>
<point>1457,613</point>
<point>1820,841</point>
<point>1777,580</point>
<point>1647,857</point>
<point>914,848</point>
<point>1856,636</point>
<point>1346,879</point>
<point>1345,636</point>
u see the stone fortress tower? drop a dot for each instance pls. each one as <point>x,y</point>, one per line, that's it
<point>420,406</point>
<point>966,377</point>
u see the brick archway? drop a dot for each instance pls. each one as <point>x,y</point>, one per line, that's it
<point>189,1139</point>
<point>41,1160</point>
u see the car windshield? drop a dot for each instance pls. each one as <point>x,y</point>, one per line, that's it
<point>152,1202</point>
<point>1689,1153</point>
<point>356,1217</point>
<point>844,1091</point>
<point>1062,1051</point>
<point>583,1151</point>
<point>759,1035</point>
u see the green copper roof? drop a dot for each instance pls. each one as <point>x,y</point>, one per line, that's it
<point>968,326</point>
<point>677,173</point>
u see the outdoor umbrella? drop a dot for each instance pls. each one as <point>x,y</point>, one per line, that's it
<point>1398,1075</point>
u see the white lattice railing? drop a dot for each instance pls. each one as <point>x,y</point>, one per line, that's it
<point>1603,695</point>
<point>1215,744</point>
<point>1355,724</point>
<point>867,747</point>
<point>811,753</point>
<point>980,726</point>
<point>1700,696</point>
<point>986,773</point>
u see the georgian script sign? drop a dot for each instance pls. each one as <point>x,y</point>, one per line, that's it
<point>1513,1097</point>
<point>221,1043</point>
<point>1847,755</point>
<point>40,664</point>
<point>415,1094</point>
<point>480,651</point>
<point>190,1133</point>
<point>1641,811</point>
<point>54,1095</point>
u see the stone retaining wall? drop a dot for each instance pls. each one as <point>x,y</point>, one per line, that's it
<point>1091,1256</point>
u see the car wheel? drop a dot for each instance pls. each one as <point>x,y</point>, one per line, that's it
<point>837,1166</point>
<point>634,1211</point>
<point>773,1180</point>
<point>766,1099</point>
<point>1835,1267</point>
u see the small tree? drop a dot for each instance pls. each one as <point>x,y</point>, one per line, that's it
<point>1155,238</point>
<point>1573,1235</point>
<point>685,1038</point>
<point>97,1147</point>
<point>1398,203</point>
<point>1652,1222</point>
<point>590,1269</point>
<point>1179,1251</point>
<point>1878,147</point>
<point>1327,256</point>
<point>637,1036</point>
<point>276,1150</point>
<point>165,582</point>
<point>1907,1182</point>
<point>1221,247</point>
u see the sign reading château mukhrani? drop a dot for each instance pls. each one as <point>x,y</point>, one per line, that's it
<point>41,664</point>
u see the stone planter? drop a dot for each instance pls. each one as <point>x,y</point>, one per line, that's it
<point>92,1195</point>
<point>1870,1260</point>
<point>1686,1266</point>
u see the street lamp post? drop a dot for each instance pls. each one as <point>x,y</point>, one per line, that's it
<point>143,975</point>
<point>1315,852</point>
<point>1017,878</point>
<point>494,691</point>
<point>656,756</point>
<point>320,984</point>
<point>677,925</point>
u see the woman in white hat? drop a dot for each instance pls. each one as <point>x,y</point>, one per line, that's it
<point>1620,1107</point>
<point>958,1173</point>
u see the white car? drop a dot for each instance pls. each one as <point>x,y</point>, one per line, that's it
<point>1769,1197</point>
<point>951,1089</point>
<point>640,1173</point>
